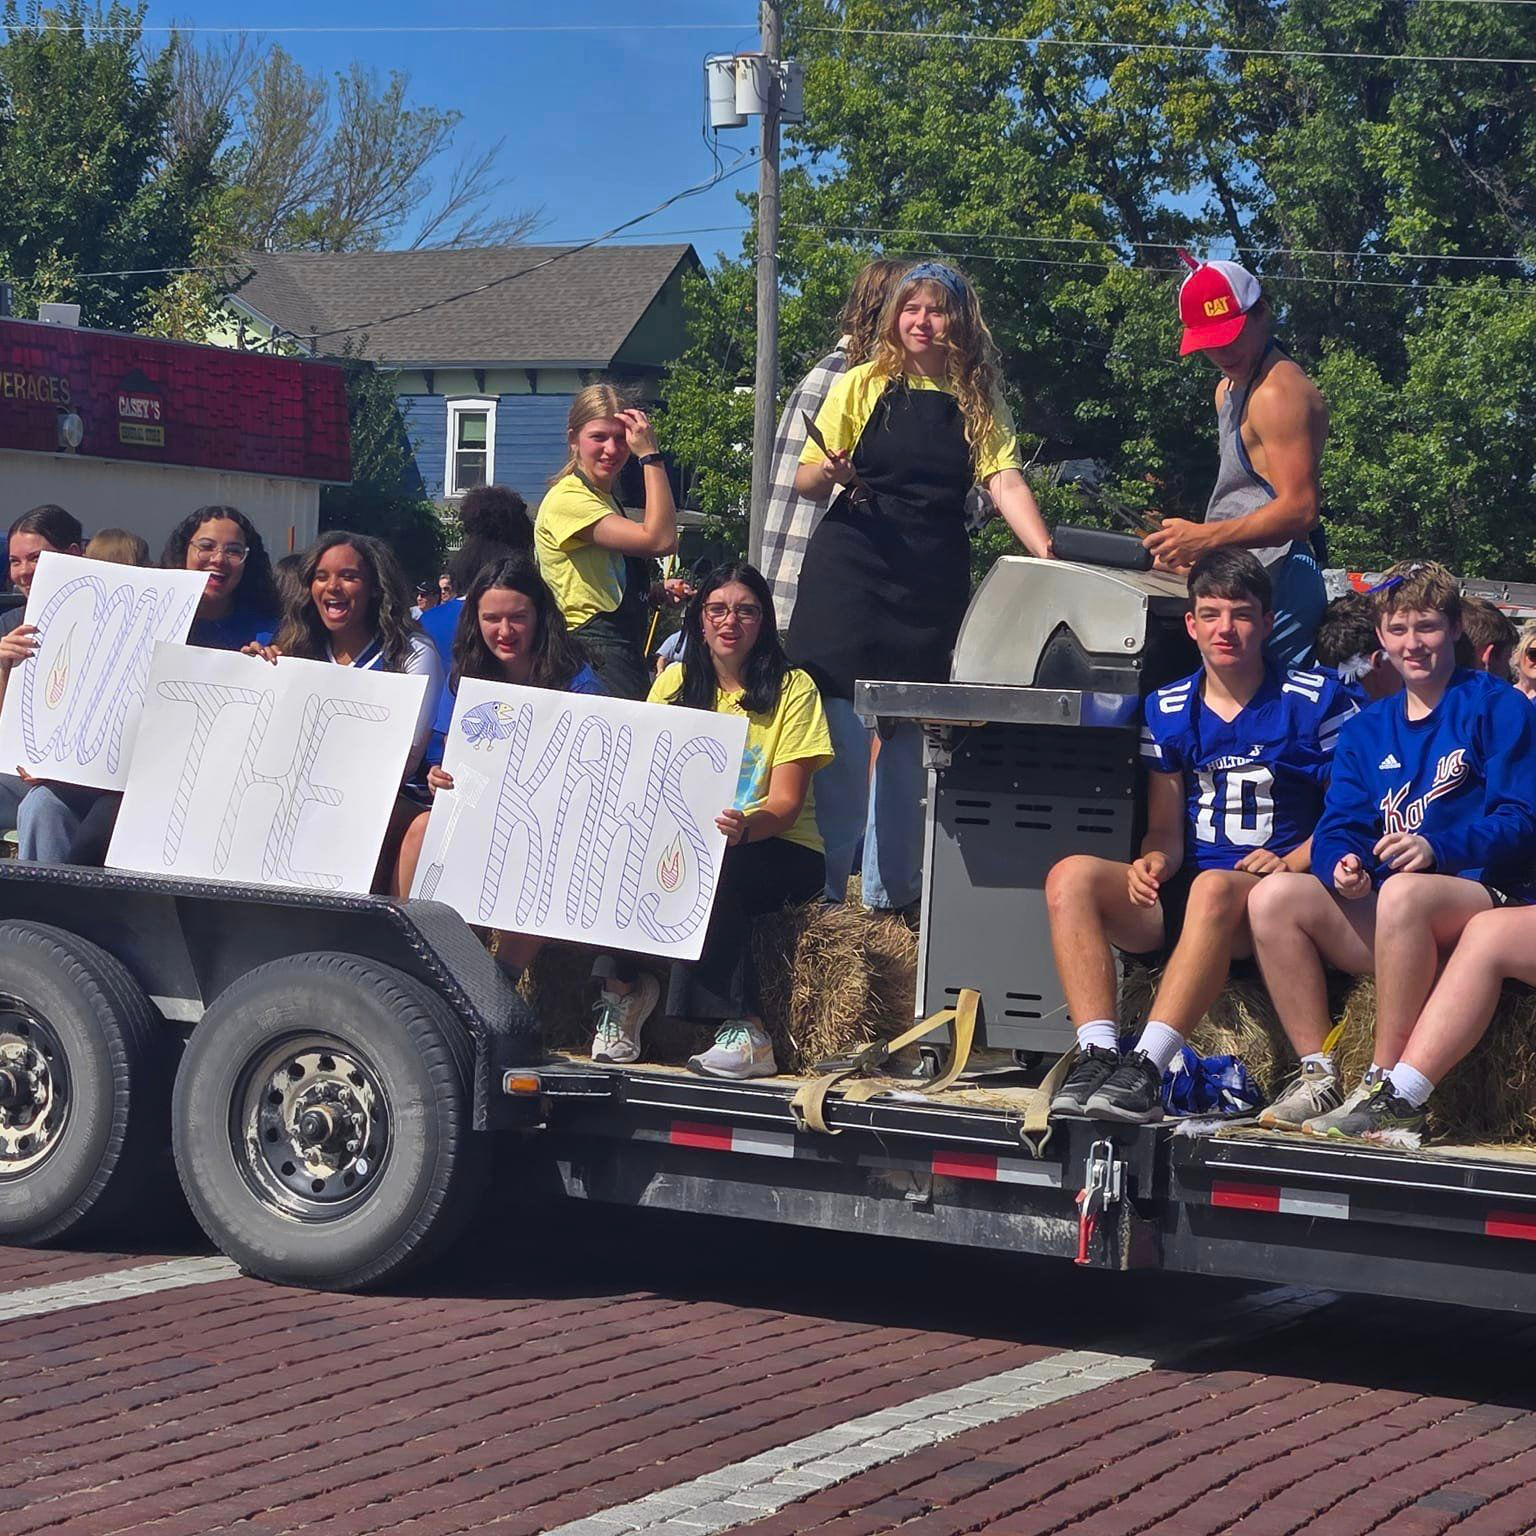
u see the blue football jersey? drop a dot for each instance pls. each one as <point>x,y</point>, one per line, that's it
<point>1257,780</point>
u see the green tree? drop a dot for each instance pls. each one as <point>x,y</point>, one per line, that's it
<point>338,164</point>
<point>381,500</point>
<point>97,201</point>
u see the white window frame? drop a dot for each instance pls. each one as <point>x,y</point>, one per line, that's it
<point>464,406</point>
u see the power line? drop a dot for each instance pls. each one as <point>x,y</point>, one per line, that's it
<point>626,26</point>
<point>1204,48</point>
<point>1156,245</point>
<point>737,164</point>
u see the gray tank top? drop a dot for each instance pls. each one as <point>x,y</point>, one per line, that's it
<point>1240,488</point>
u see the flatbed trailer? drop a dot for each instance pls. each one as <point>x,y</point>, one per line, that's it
<point>341,1084</point>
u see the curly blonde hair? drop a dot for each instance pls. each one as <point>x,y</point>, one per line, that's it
<point>971,362</point>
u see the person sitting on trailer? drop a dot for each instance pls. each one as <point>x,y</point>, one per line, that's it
<point>1346,644</point>
<point>1237,756</point>
<point>44,528</point>
<point>733,663</point>
<point>1429,820</point>
<point>1488,636</point>
<point>351,605</point>
<point>510,631</point>
<point>1495,947</point>
<point>71,824</point>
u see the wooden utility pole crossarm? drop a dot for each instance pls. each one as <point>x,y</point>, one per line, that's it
<point>766,384</point>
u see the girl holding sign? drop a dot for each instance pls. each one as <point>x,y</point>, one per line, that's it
<point>46,528</point>
<point>351,604</point>
<point>581,535</point>
<point>732,662</point>
<point>510,631</point>
<point>899,442</point>
<point>71,825</point>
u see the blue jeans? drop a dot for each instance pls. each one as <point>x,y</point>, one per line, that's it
<point>887,813</point>
<point>1300,598</point>
<point>50,818</point>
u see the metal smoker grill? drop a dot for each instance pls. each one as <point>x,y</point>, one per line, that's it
<point>1031,752</point>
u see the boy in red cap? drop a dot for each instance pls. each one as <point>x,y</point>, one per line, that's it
<point>1273,424</point>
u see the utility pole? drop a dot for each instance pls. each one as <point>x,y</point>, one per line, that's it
<point>766,384</point>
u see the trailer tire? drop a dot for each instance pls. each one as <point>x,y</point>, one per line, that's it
<point>321,1122</point>
<point>85,1070</point>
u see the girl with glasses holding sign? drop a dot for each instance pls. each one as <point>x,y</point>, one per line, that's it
<point>902,439</point>
<point>732,663</point>
<point>240,600</point>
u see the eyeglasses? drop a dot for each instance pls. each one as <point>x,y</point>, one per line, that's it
<point>208,549</point>
<point>718,613</point>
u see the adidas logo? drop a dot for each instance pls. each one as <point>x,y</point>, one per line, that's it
<point>1389,761</point>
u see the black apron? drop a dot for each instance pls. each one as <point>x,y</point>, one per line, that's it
<point>885,581</point>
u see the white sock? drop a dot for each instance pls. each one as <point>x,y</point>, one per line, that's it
<point>1102,1033</point>
<point>1374,1073</point>
<point>1320,1059</point>
<point>1159,1044</point>
<point>1411,1084</point>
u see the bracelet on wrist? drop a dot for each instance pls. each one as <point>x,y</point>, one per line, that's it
<point>647,459</point>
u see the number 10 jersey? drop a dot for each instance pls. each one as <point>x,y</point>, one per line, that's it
<point>1255,781</point>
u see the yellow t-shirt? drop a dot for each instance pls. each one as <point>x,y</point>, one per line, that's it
<point>795,732</point>
<point>585,579</point>
<point>851,402</point>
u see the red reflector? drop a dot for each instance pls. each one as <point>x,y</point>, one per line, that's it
<point>1510,1224</point>
<point>1246,1197</point>
<point>966,1165</point>
<point>690,1133</point>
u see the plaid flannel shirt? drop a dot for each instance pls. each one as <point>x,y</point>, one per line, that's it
<point>790,520</point>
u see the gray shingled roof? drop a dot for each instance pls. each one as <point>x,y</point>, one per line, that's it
<point>577,312</point>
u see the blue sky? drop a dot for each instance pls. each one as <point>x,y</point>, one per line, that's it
<point>599,124</point>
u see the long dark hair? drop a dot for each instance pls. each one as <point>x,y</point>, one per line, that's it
<point>556,657</point>
<point>302,632</point>
<point>257,591</point>
<point>766,667</point>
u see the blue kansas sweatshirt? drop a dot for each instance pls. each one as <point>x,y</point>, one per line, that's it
<point>1463,778</point>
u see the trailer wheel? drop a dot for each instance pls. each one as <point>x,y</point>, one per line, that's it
<point>84,1076</point>
<point>321,1122</point>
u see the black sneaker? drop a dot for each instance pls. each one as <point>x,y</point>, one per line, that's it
<point>1132,1092</point>
<point>1089,1073</point>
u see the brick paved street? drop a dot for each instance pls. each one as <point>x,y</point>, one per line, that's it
<point>526,1395</point>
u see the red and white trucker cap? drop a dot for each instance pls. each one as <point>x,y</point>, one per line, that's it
<point>1213,304</point>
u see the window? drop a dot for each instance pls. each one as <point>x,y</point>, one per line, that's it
<point>471,457</point>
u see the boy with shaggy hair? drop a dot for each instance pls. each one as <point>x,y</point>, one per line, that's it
<point>1489,636</point>
<point>1346,644</point>
<point>1430,819</point>
<point>1237,756</point>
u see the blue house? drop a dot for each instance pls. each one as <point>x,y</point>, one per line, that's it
<point>486,347</point>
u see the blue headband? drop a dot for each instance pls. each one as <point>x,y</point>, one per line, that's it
<point>937,272</point>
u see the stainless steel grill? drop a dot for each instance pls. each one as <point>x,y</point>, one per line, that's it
<point>1031,755</point>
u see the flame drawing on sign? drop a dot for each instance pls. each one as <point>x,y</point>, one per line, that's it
<point>58,675</point>
<point>669,871</point>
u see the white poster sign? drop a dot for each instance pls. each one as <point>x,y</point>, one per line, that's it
<point>581,817</point>
<point>265,775</point>
<point>72,712</point>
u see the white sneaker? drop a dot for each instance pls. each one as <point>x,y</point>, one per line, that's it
<point>620,1018</point>
<point>740,1050</point>
<point>1313,1091</point>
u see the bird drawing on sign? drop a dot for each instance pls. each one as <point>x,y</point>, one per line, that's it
<point>488,723</point>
